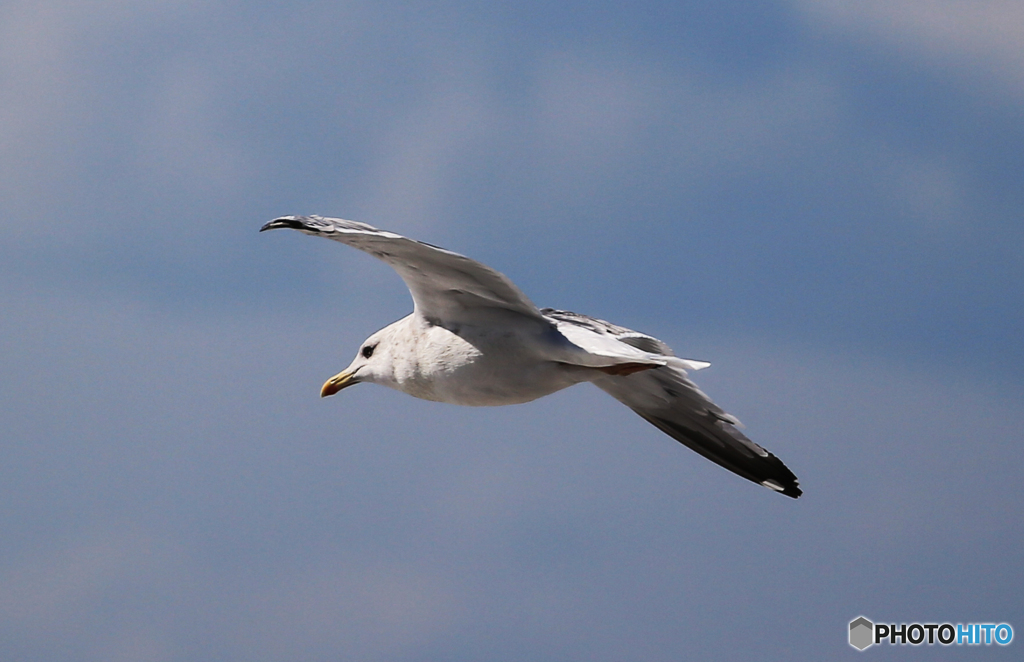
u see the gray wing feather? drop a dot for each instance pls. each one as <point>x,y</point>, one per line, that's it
<point>445,286</point>
<point>669,400</point>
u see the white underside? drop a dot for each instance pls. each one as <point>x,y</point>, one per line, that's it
<point>480,366</point>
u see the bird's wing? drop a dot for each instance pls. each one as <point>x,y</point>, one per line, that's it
<point>666,398</point>
<point>446,287</point>
<point>606,340</point>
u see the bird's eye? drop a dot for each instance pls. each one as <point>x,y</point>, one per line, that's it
<point>368,351</point>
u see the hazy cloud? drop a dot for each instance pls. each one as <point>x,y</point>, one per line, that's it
<point>968,36</point>
<point>836,233</point>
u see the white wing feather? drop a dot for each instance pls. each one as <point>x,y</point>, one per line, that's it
<point>446,287</point>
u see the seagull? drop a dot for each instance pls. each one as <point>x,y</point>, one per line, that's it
<point>475,339</point>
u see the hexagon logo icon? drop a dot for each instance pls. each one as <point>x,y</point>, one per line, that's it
<point>862,633</point>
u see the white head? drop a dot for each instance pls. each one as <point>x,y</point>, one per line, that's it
<point>373,363</point>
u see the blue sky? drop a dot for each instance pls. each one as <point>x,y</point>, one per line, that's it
<point>822,198</point>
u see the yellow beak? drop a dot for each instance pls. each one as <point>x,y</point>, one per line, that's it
<point>338,382</point>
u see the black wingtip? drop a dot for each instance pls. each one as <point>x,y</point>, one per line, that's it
<point>765,470</point>
<point>291,222</point>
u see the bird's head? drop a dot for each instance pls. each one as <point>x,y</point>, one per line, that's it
<point>374,362</point>
<point>368,366</point>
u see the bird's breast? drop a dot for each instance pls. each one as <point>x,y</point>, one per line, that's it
<point>479,367</point>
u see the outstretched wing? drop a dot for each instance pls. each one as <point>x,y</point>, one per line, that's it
<point>445,286</point>
<point>666,398</point>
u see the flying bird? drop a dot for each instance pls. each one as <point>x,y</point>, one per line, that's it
<point>475,339</point>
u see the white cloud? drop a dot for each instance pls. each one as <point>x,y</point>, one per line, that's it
<point>60,592</point>
<point>587,103</point>
<point>412,166</point>
<point>64,87</point>
<point>603,120</point>
<point>180,141</point>
<point>48,52</point>
<point>930,193</point>
<point>364,607</point>
<point>974,34</point>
